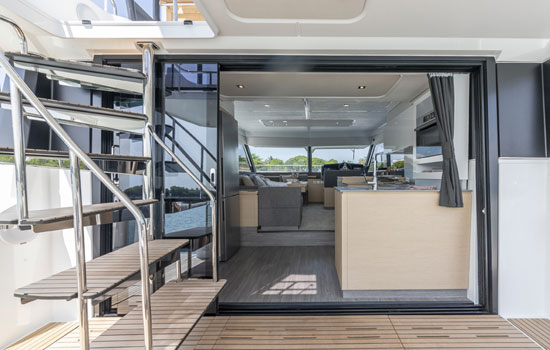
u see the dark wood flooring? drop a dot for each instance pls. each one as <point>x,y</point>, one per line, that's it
<point>302,274</point>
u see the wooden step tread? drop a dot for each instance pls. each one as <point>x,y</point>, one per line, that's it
<point>45,336</point>
<point>103,274</point>
<point>175,308</point>
<point>46,216</point>
<point>83,115</point>
<point>95,76</point>
<point>54,154</point>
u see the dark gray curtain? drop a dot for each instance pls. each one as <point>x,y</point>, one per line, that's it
<point>442,90</point>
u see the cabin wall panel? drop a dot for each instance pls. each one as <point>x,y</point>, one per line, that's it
<point>48,253</point>
<point>521,110</point>
<point>524,238</point>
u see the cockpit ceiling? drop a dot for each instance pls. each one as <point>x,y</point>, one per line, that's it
<point>315,108</point>
<point>381,18</point>
<point>296,9</point>
<point>301,84</point>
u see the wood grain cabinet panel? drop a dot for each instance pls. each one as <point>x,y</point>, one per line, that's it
<point>248,208</point>
<point>401,240</point>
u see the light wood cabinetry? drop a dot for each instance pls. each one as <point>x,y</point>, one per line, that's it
<point>328,197</point>
<point>315,192</point>
<point>248,208</point>
<point>401,240</point>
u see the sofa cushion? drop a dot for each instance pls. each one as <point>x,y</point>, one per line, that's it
<point>258,180</point>
<point>246,180</point>
<point>275,183</point>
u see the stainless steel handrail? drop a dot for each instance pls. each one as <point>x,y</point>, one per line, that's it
<point>20,34</point>
<point>113,4</point>
<point>205,189</point>
<point>18,132</point>
<point>81,286</point>
<point>96,170</point>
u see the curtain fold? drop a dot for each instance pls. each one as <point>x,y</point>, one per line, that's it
<point>442,91</point>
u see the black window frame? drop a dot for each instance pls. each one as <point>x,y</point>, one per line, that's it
<point>485,144</point>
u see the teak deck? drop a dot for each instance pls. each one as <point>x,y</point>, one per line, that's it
<point>103,273</point>
<point>175,307</point>
<point>537,329</point>
<point>356,332</point>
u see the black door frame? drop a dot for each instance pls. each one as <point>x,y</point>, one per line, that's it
<point>484,132</point>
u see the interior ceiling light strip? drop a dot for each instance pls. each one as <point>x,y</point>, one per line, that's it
<point>326,123</point>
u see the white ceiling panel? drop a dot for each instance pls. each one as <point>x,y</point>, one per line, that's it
<point>384,18</point>
<point>286,116</point>
<point>299,84</point>
<point>296,9</point>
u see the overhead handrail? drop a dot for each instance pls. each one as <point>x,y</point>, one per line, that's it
<point>77,153</point>
<point>203,187</point>
<point>113,4</point>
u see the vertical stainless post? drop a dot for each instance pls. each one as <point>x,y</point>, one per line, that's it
<point>175,10</point>
<point>148,55</point>
<point>80,253</point>
<point>19,151</point>
<point>145,287</point>
<point>18,131</point>
<point>149,111</point>
<point>178,267</point>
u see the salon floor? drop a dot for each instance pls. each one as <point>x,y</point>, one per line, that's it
<point>302,274</point>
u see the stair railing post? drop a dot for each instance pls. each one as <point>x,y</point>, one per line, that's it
<point>148,55</point>
<point>19,151</point>
<point>80,251</point>
<point>18,130</point>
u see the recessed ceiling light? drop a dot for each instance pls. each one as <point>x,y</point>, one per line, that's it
<point>240,86</point>
<point>346,105</point>
<point>284,121</point>
<point>267,106</point>
<point>361,87</point>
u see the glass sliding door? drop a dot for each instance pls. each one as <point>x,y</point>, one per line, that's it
<point>190,108</point>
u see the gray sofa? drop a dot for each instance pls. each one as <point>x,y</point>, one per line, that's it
<point>277,205</point>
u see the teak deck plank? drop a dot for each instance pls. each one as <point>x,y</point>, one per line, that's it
<point>102,274</point>
<point>356,332</point>
<point>537,329</point>
<point>175,308</point>
<point>45,336</point>
<point>46,216</point>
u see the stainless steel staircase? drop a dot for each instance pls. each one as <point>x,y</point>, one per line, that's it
<point>96,278</point>
<point>82,115</point>
<point>106,78</point>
